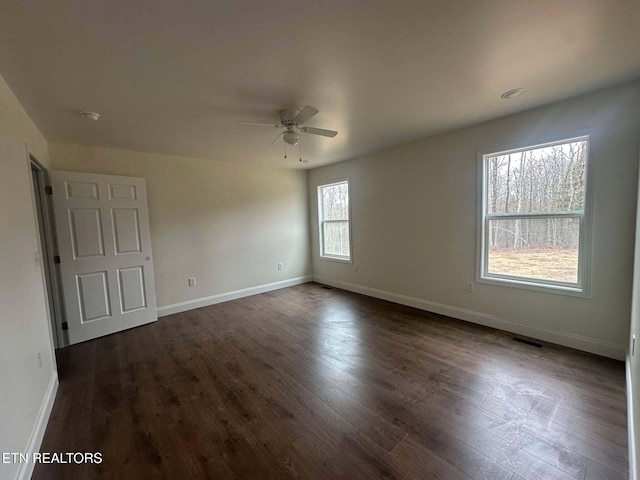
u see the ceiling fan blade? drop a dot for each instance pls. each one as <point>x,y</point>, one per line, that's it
<point>305,114</point>
<point>319,131</point>
<point>261,124</point>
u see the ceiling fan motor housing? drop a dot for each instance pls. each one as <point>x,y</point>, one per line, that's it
<point>287,116</point>
<point>291,137</point>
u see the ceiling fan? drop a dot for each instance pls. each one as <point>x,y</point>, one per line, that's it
<point>292,121</point>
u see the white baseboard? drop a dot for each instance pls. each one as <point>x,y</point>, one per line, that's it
<point>225,297</point>
<point>633,467</point>
<point>561,338</point>
<point>35,441</point>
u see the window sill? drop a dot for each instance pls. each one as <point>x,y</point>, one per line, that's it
<point>336,259</point>
<point>532,285</point>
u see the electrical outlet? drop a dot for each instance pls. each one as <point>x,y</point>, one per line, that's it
<point>192,281</point>
<point>39,359</point>
<point>280,266</point>
<point>470,287</point>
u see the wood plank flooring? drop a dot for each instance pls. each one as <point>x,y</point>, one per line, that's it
<point>317,383</point>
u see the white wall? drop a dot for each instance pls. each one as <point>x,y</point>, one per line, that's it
<point>226,224</point>
<point>15,121</point>
<point>24,323</point>
<point>414,223</point>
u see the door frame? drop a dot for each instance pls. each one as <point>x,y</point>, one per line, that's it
<point>48,250</point>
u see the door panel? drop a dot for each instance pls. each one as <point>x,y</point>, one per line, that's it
<point>82,190</point>
<point>122,192</point>
<point>131,284</point>
<point>104,241</point>
<point>126,230</point>
<point>86,232</point>
<point>93,294</point>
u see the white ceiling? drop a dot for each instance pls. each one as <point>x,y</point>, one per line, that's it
<point>175,77</point>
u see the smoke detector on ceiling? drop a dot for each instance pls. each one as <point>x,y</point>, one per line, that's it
<point>90,116</point>
<point>516,92</point>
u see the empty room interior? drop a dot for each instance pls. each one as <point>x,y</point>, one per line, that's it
<point>346,239</point>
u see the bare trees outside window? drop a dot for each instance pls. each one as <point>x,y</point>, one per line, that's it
<point>333,212</point>
<point>534,213</point>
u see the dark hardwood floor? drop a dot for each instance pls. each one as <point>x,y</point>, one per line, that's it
<point>317,383</point>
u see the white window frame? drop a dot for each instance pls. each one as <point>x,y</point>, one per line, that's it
<point>321,222</point>
<point>582,287</point>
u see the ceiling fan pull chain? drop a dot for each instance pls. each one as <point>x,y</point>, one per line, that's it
<point>285,149</point>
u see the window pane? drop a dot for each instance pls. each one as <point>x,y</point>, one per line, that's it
<point>541,248</point>
<point>335,202</point>
<point>546,179</point>
<point>336,238</point>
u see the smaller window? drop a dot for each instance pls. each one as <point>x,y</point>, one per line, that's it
<point>333,215</point>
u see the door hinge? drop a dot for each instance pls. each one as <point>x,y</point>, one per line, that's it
<point>65,326</point>
<point>48,190</point>
<point>56,259</point>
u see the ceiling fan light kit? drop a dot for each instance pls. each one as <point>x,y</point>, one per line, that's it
<point>292,138</point>
<point>292,121</point>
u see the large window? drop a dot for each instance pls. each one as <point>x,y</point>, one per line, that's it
<point>534,227</point>
<point>333,214</point>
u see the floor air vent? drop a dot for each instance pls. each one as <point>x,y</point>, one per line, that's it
<point>528,342</point>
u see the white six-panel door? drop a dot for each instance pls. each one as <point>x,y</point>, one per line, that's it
<point>106,267</point>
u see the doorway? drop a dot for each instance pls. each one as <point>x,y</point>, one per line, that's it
<point>39,177</point>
